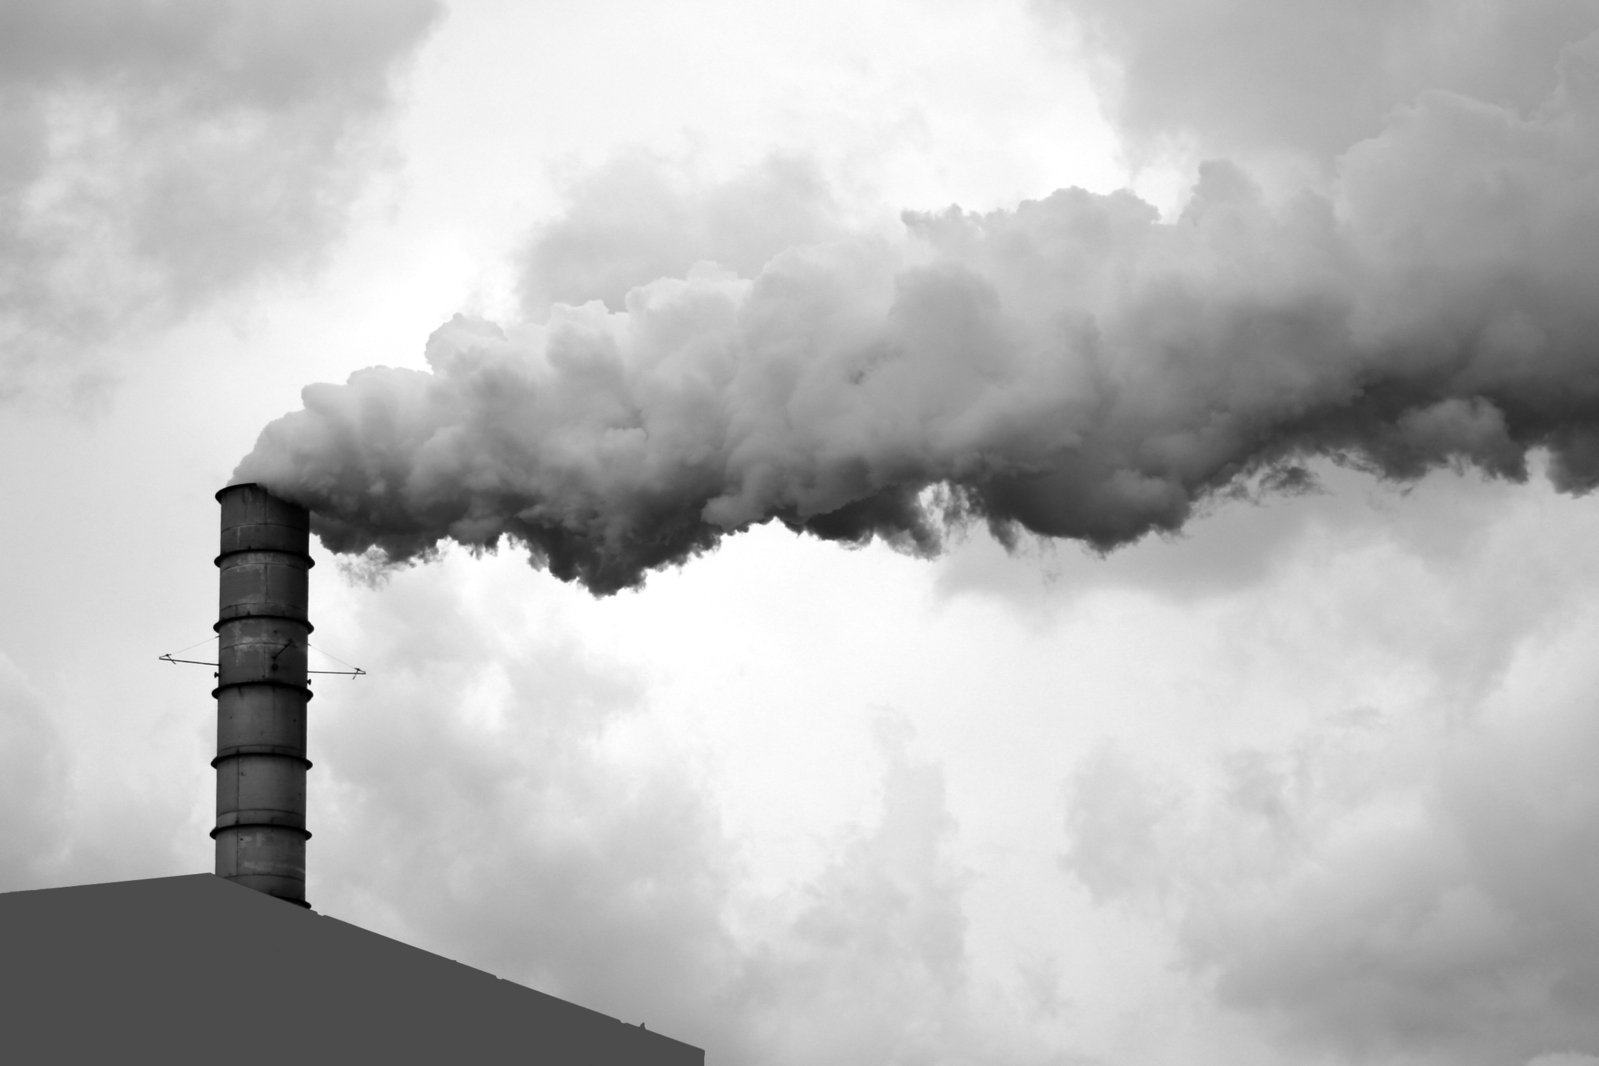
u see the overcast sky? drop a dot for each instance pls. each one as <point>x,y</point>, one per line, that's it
<point>1302,772</point>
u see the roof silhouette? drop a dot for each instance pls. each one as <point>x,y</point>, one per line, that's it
<point>198,969</point>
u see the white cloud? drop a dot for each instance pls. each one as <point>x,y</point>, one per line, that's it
<point>161,154</point>
<point>1263,76</point>
<point>1385,889</point>
<point>33,762</point>
<point>499,793</point>
<point>641,217</point>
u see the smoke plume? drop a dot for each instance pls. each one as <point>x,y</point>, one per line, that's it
<point>1076,367</point>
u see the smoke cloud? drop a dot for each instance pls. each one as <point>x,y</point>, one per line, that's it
<point>1076,367</point>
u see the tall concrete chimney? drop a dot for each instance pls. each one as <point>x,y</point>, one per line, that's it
<point>262,693</point>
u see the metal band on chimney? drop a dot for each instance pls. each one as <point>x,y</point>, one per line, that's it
<point>262,692</point>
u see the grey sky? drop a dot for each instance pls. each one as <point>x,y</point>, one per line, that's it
<point>161,154</point>
<point>1308,782</point>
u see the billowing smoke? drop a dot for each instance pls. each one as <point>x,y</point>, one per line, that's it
<point>1076,367</point>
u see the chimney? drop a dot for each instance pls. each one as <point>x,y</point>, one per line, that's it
<point>262,692</point>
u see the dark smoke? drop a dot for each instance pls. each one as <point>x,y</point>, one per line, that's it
<point>1072,368</point>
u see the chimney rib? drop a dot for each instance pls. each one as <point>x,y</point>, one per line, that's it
<point>262,692</point>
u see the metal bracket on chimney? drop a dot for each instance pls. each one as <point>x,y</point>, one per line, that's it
<point>352,673</point>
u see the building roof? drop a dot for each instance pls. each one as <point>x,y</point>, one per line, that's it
<point>196,968</point>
